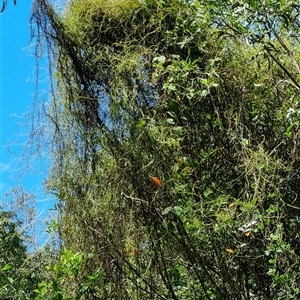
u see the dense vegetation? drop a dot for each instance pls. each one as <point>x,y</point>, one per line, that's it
<point>175,148</point>
<point>20,272</point>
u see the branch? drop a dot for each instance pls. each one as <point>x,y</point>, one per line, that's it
<point>283,68</point>
<point>289,52</point>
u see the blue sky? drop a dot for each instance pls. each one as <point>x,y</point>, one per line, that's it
<point>17,86</point>
<point>18,74</point>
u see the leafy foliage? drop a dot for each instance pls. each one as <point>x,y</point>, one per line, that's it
<point>200,95</point>
<point>19,271</point>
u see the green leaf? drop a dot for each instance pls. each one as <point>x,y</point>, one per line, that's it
<point>6,267</point>
<point>170,121</point>
<point>11,281</point>
<point>160,59</point>
<point>140,124</point>
<point>208,192</point>
<point>167,210</point>
<point>171,87</point>
<point>204,93</point>
<point>84,289</point>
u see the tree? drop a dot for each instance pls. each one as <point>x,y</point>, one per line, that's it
<point>18,275</point>
<point>200,95</point>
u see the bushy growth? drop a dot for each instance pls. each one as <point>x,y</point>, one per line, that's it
<point>175,148</point>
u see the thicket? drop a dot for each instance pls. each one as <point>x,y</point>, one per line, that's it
<point>175,148</point>
<point>20,271</point>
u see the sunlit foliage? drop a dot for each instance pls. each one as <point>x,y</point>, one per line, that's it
<point>175,148</point>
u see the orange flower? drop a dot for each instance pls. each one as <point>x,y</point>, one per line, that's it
<point>229,250</point>
<point>156,181</point>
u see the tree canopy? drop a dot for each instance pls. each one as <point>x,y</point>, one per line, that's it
<point>175,148</point>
